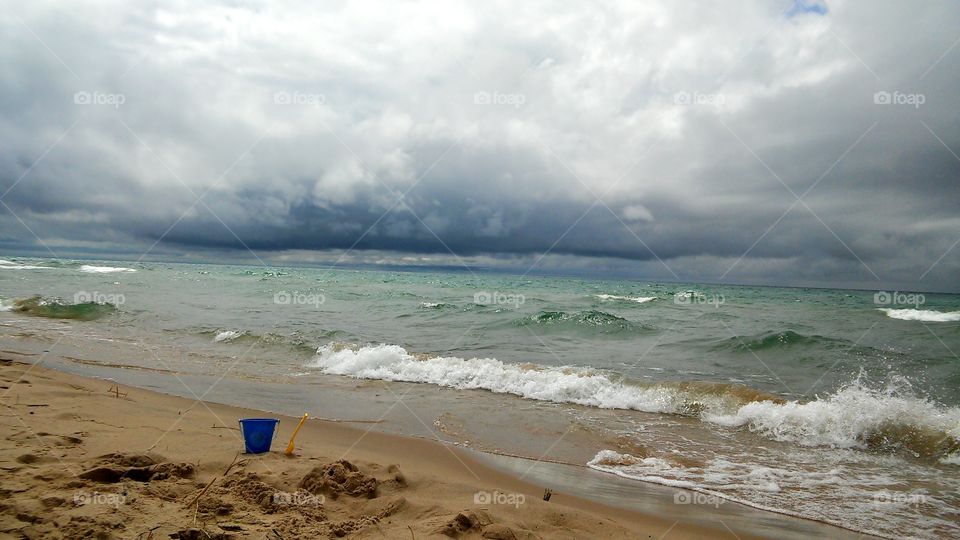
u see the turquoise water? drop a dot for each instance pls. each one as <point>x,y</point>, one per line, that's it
<point>830,404</point>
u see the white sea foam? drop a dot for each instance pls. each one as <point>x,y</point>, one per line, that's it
<point>227,335</point>
<point>845,419</point>
<point>557,384</point>
<point>924,315</point>
<point>10,265</point>
<point>637,299</point>
<point>104,269</point>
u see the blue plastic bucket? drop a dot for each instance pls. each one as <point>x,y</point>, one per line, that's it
<point>257,434</point>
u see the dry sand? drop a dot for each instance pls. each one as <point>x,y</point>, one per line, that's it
<point>81,462</point>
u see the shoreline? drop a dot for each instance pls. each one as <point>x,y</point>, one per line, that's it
<point>441,479</point>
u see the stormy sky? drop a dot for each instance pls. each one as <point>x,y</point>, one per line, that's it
<point>781,142</point>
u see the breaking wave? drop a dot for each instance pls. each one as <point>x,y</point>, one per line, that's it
<point>888,420</point>
<point>10,265</point>
<point>90,269</point>
<point>54,308</point>
<point>775,340</point>
<point>228,335</point>
<point>614,298</point>
<point>589,319</point>
<point>924,315</point>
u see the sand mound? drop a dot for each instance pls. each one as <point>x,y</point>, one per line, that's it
<point>337,478</point>
<point>116,467</point>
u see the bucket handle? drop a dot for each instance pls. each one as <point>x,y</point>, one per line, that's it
<point>276,424</point>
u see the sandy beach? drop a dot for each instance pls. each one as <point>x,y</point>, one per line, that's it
<point>81,461</point>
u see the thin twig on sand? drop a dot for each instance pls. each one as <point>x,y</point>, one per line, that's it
<point>204,490</point>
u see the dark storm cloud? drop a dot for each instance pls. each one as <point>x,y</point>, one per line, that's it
<point>491,133</point>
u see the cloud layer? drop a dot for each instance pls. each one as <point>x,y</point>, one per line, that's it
<point>776,142</point>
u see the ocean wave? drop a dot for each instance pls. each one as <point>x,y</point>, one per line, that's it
<point>922,315</point>
<point>10,265</point>
<point>854,417</point>
<point>589,319</point>
<point>637,299</point>
<point>90,269</point>
<point>775,340</point>
<point>887,420</point>
<point>228,335</point>
<point>434,305</point>
<point>582,386</point>
<point>54,308</point>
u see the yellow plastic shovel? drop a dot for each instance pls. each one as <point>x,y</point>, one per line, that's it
<point>289,450</point>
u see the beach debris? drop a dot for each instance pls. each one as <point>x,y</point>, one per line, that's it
<point>337,478</point>
<point>204,490</point>
<point>547,493</point>
<point>193,533</point>
<point>290,445</point>
<point>115,390</point>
